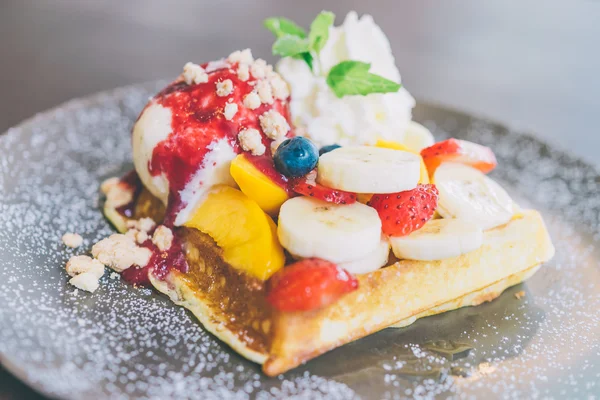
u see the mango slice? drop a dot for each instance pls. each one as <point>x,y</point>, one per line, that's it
<point>259,187</point>
<point>241,228</point>
<point>398,146</point>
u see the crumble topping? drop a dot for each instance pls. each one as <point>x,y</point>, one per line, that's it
<point>72,240</point>
<point>274,124</point>
<point>263,88</point>
<point>243,72</point>
<point>224,88</point>
<point>193,73</point>
<point>259,68</point>
<point>251,140</point>
<point>142,224</point>
<point>216,65</point>
<point>85,272</point>
<point>85,281</point>
<point>163,238</point>
<point>280,87</point>
<point>139,236</point>
<point>120,252</point>
<point>241,56</point>
<point>84,264</point>
<point>252,101</point>
<point>230,111</point>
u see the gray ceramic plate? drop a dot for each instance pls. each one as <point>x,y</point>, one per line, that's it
<point>124,342</point>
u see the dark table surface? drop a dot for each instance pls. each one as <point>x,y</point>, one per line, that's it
<point>531,65</point>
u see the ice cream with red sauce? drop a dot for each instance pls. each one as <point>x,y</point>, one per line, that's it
<point>188,134</point>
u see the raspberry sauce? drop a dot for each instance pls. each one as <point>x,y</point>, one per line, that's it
<point>197,121</point>
<point>132,180</point>
<point>265,165</point>
<point>160,263</point>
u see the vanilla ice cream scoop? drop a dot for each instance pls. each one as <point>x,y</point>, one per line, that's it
<point>188,134</point>
<point>326,119</point>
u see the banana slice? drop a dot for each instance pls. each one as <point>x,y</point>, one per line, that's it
<point>338,233</point>
<point>371,262</point>
<point>368,169</point>
<point>438,239</point>
<point>466,193</point>
<point>417,137</point>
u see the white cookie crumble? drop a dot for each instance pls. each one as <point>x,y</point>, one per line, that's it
<point>120,252</point>
<point>243,72</point>
<point>259,68</point>
<point>216,65</point>
<point>230,110</point>
<point>273,124</point>
<point>72,240</point>
<point>224,88</point>
<point>85,271</point>
<point>139,236</point>
<point>280,87</point>
<point>84,264</point>
<point>251,140</point>
<point>114,276</point>
<point>163,238</point>
<point>86,281</point>
<point>118,195</point>
<point>143,224</point>
<point>193,73</point>
<point>252,101</point>
<point>263,88</point>
<point>107,184</point>
<point>241,56</point>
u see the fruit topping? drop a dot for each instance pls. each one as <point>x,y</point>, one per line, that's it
<point>327,149</point>
<point>296,157</point>
<point>371,262</point>
<point>241,228</point>
<point>308,186</point>
<point>467,193</point>
<point>417,137</point>
<point>438,239</point>
<point>368,169</point>
<point>269,191</point>
<point>404,212</point>
<point>423,174</point>
<point>459,151</point>
<point>309,285</point>
<point>313,228</point>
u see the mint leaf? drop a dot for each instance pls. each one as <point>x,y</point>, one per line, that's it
<point>280,26</point>
<point>307,57</point>
<point>319,30</point>
<point>353,77</point>
<point>289,45</point>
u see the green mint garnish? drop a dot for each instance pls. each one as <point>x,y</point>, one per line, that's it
<point>346,78</point>
<point>280,26</point>
<point>353,77</point>
<point>319,30</point>
<point>288,46</point>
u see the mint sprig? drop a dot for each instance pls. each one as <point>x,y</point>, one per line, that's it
<point>346,78</point>
<point>353,77</point>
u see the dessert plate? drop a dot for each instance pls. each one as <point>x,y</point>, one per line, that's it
<point>539,338</point>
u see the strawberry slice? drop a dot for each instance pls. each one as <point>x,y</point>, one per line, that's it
<point>308,285</point>
<point>308,186</point>
<point>404,212</point>
<point>461,151</point>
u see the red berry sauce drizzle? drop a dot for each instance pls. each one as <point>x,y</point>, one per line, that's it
<point>197,122</point>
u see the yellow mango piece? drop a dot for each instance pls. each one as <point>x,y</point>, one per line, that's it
<point>398,146</point>
<point>241,228</point>
<point>257,185</point>
<point>363,197</point>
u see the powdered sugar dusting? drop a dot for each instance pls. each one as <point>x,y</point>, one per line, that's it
<point>121,341</point>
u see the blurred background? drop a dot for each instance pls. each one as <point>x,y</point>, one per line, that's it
<point>531,65</point>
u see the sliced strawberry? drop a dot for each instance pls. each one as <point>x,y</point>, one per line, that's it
<point>307,186</point>
<point>404,212</point>
<point>309,284</point>
<point>461,151</point>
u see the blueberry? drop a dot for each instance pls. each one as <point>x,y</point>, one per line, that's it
<point>296,157</point>
<point>327,149</point>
